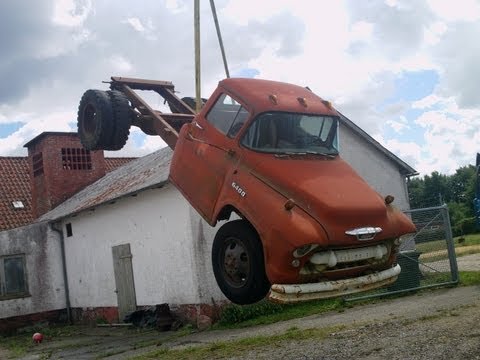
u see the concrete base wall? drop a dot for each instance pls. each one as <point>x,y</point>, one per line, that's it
<point>12,324</point>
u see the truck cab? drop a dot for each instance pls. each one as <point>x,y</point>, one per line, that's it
<point>308,226</point>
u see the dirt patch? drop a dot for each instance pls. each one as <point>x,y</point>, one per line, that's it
<point>464,263</point>
<point>469,262</point>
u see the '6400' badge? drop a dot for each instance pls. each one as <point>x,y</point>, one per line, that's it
<point>238,189</point>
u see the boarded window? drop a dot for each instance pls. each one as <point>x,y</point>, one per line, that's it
<point>76,159</point>
<point>13,279</point>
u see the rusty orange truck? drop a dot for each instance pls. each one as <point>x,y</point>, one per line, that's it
<point>262,155</point>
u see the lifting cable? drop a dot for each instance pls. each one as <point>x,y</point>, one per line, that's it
<point>219,35</point>
<point>196,18</point>
<point>196,24</point>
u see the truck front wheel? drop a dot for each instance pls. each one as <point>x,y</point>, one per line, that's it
<point>238,265</point>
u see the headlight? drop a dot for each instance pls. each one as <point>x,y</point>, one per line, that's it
<point>304,250</point>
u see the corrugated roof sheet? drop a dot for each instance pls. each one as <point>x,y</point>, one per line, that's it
<point>14,186</point>
<point>140,174</point>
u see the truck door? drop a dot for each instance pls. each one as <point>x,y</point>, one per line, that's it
<point>206,152</point>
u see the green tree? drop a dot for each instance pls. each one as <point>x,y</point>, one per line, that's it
<point>457,190</point>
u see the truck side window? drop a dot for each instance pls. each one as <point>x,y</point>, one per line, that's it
<point>227,115</point>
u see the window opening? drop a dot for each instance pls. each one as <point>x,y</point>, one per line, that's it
<point>76,159</point>
<point>227,115</point>
<point>37,161</point>
<point>13,279</point>
<point>68,228</point>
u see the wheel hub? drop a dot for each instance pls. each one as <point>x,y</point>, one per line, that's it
<point>236,262</point>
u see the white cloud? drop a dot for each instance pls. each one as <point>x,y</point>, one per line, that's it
<point>351,52</point>
<point>176,6</point>
<point>427,102</point>
<point>120,64</point>
<point>136,24</point>
<point>462,10</point>
<point>433,33</point>
<point>146,28</point>
<point>361,31</point>
<point>452,135</point>
<point>34,125</point>
<point>399,125</point>
<point>71,13</point>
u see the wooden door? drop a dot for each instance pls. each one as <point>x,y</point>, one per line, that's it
<point>125,287</point>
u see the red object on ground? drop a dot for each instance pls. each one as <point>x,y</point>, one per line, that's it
<point>37,338</point>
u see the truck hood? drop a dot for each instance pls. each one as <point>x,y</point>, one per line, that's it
<point>332,193</point>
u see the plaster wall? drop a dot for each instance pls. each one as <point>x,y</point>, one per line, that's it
<point>170,247</point>
<point>41,247</point>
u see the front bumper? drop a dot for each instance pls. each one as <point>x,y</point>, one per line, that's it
<point>292,293</point>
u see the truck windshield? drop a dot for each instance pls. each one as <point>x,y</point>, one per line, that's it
<point>281,132</point>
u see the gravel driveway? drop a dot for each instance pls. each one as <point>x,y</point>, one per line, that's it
<point>438,324</point>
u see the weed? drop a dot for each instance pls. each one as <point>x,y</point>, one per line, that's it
<point>265,312</point>
<point>234,314</point>
<point>46,355</point>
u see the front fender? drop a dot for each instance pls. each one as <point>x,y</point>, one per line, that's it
<point>281,231</point>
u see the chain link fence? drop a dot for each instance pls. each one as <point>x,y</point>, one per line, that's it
<point>427,258</point>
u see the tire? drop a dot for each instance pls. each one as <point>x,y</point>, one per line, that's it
<point>238,264</point>
<point>190,101</point>
<point>95,120</point>
<point>122,119</point>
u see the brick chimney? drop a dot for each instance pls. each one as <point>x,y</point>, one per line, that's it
<point>60,167</point>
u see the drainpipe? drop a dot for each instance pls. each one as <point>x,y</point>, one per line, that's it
<point>58,229</point>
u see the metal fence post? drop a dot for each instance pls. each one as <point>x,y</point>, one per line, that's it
<point>452,257</point>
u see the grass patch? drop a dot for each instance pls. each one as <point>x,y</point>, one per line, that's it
<point>469,278</point>
<point>459,242</point>
<point>17,345</point>
<point>224,349</point>
<point>471,239</point>
<point>265,312</point>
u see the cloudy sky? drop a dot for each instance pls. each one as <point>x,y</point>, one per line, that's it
<point>404,71</point>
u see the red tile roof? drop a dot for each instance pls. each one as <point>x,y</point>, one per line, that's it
<point>114,163</point>
<point>15,186</point>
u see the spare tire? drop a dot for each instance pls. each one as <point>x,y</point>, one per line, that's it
<point>122,119</point>
<point>95,120</point>
<point>190,101</point>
